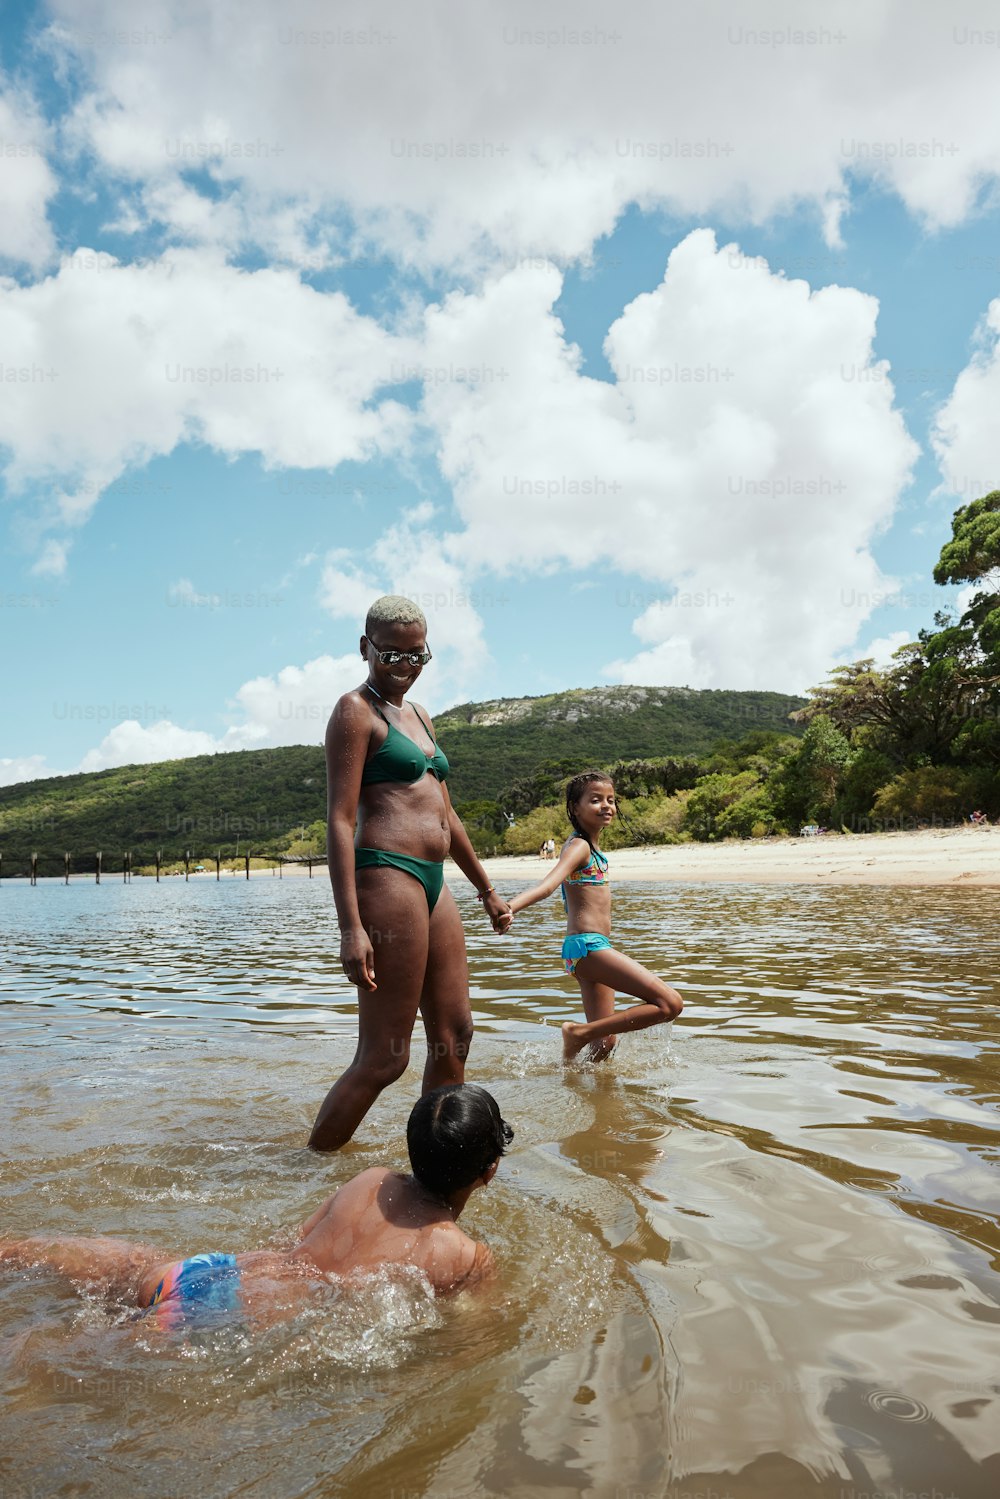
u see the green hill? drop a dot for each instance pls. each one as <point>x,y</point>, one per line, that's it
<point>264,798</point>
<point>493,744</point>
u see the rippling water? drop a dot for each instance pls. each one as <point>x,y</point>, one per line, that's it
<point>755,1256</point>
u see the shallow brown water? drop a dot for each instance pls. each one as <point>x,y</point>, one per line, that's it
<point>756,1257</point>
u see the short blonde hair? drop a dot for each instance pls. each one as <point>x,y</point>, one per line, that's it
<point>394,609</point>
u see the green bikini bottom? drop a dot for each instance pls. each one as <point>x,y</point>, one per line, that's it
<point>429,873</point>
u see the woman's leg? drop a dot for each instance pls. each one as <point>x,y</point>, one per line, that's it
<point>115,1264</point>
<point>393,909</point>
<point>613,970</point>
<point>444,1001</point>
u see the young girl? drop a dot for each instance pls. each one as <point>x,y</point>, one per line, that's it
<point>598,968</point>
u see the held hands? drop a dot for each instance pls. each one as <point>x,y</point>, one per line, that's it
<point>357,958</point>
<point>498,911</point>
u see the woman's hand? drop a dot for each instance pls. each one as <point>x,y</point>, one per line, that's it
<point>498,911</point>
<point>358,958</point>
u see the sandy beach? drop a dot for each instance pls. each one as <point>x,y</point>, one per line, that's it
<point>933,856</point>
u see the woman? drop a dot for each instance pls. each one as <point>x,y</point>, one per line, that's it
<point>401,938</point>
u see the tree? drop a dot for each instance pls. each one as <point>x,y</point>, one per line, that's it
<point>974,549</point>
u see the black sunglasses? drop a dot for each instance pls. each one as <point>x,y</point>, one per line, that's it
<point>392,658</point>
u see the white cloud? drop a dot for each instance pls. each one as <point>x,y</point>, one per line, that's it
<point>292,707</point>
<point>121,363</point>
<point>882,649</point>
<point>132,743</point>
<point>742,463</point>
<point>967,433</point>
<point>26,182</point>
<point>447,130</point>
<point>409,558</point>
<point>23,768</point>
<point>185,595</point>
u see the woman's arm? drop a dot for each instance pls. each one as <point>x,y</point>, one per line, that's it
<point>467,859</point>
<point>347,737</point>
<point>574,856</point>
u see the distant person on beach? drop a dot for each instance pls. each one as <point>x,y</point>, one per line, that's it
<point>390,824</point>
<point>587,953</point>
<point>455,1138</point>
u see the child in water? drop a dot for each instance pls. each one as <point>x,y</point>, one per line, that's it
<point>455,1138</point>
<point>598,968</point>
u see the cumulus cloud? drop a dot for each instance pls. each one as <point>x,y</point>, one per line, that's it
<point>14,769</point>
<point>121,363</point>
<point>742,461</point>
<point>293,705</point>
<point>28,181</point>
<point>451,134</point>
<point>133,743</point>
<point>410,559</point>
<point>967,434</point>
<point>185,595</point>
<point>882,649</point>
<point>290,706</point>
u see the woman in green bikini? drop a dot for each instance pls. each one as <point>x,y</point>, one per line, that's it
<point>390,824</point>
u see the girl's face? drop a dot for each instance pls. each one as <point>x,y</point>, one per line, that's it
<point>596,807</point>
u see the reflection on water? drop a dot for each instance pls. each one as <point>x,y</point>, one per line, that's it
<point>755,1256</point>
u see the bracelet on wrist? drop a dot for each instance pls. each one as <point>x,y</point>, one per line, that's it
<point>482,894</point>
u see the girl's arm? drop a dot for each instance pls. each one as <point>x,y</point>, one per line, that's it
<point>574,856</point>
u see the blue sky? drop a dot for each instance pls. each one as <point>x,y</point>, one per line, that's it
<point>650,346</point>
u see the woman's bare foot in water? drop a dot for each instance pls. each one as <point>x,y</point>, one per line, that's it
<point>575,1040</point>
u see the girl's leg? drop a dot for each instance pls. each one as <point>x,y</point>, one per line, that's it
<point>613,970</point>
<point>394,912</point>
<point>115,1264</point>
<point>444,1001</point>
<point>598,1004</point>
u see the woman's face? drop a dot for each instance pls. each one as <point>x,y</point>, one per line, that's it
<point>392,681</point>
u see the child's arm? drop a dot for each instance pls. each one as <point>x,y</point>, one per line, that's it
<point>574,856</point>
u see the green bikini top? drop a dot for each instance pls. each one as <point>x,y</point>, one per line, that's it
<point>400,758</point>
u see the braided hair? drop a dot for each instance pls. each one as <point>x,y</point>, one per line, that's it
<point>574,791</point>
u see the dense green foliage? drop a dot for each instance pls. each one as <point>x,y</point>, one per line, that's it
<point>273,801</point>
<point>916,742</point>
<point>262,799</point>
<point>497,747</point>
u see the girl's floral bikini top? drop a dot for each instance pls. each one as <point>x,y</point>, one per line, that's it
<point>594,872</point>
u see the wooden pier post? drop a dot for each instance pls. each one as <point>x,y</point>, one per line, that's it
<point>66,859</point>
<point>187,864</point>
<point>247,858</point>
<point>159,860</point>
<point>34,869</point>
<point>97,881</point>
<point>218,862</point>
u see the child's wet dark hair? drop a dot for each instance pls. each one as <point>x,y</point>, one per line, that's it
<point>575,789</point>
<point>454,1134</point>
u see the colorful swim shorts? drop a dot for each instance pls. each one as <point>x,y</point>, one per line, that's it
<point>203,1283</point>
<point>578,945</point>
